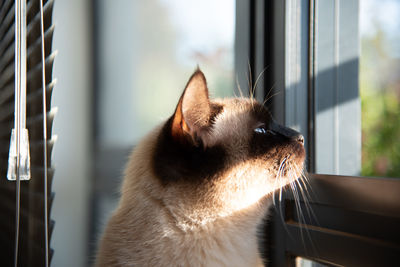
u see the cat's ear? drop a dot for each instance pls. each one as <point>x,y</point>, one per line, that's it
<point>193,111</point>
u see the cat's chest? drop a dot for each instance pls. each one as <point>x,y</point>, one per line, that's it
<point>218,245</point>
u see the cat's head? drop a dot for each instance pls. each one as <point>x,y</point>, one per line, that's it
<point>225,153</point>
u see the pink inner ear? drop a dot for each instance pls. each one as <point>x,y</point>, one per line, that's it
<point>179,128</point>
<point>193,110</point>
<point>195,103</point>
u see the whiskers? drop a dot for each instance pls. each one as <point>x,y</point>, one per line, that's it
<point>278,179</point>
<point>294,177</point>
<point>252,85</point>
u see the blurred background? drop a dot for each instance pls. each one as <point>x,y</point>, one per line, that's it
<point>120,69</point>
<point>380,87</point>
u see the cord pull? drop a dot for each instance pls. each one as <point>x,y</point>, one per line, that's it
<point>24,166</point>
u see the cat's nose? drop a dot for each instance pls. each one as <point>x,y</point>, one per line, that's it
<point>287,132</point>
<point>300,139</point>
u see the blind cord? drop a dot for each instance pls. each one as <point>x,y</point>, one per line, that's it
<point>46,220</point>
<point>17,74</point>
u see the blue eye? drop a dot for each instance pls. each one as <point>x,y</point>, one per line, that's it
<point>260,130</point>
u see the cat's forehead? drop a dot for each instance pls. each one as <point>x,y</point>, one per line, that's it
<point>242,110</point>
<point>237,119</point>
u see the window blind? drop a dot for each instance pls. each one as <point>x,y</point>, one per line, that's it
<point>31,250</point>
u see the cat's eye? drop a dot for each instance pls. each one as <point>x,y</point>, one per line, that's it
<point>262,130</point>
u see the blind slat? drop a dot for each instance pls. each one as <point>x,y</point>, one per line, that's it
<point>31,243</point>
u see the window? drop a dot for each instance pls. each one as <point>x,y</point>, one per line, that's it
<point>380,87</point>
<point>318,41</point>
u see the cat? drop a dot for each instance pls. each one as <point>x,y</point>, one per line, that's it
<point>198,186</point>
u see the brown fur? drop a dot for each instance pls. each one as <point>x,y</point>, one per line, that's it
<point>197,187</point>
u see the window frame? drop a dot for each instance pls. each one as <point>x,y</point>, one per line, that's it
<point>282,37</point>
<point>342,229</point>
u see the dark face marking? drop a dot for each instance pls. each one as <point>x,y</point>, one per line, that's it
<point>188,161</point>
<point>193,163</point>
<point>274,145</point>
<point>275,142</point>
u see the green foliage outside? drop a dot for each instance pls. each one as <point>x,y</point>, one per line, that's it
<point>380,100</point>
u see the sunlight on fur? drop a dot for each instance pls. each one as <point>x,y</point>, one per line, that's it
<point>197,188</point>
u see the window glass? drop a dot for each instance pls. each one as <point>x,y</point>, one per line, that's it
<point>380,87</point>
<point>148,50</point>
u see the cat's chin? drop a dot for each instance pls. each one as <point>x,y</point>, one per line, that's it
<point>289,173</point>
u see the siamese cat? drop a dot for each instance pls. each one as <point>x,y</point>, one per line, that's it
<point>198,186</point>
